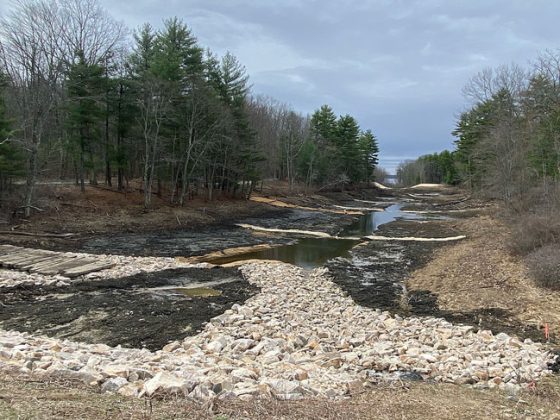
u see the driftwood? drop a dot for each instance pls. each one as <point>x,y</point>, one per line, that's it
<point>42,235</point>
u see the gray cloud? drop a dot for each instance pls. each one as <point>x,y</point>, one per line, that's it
<point>397,65</point>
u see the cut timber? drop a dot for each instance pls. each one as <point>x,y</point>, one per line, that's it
<point>45,265</point>
<point>277,203</point>
<point>362,209</point>
<point>42,235</point>
<point>300,232</point>
<point>85,269</point>
<point>49,262</point>
<point>29,259</point>
<point>26,266</point>
<point>415,239</point>
<point>63,265</point>
<point>6,249</point>
<point>228,252</point>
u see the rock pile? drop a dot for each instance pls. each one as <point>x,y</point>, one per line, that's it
<point>301,336</point>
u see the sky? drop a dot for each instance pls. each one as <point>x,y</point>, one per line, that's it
<point>397,66</point>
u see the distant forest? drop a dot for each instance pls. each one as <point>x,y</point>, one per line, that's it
<point>508,148</point>
<point>84,98</point>
<point>508,140</point>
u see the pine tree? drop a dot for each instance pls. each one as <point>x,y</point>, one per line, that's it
<point>11,158</point>
<point>85,86</point>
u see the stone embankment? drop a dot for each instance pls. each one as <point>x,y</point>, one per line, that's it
<point>300,337</point>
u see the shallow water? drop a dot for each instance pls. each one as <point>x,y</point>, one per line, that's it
<point>306,252</point>
<point>369,223</point>
<point>314,252</point>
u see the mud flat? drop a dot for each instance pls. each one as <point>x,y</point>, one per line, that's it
<point>145,310</point>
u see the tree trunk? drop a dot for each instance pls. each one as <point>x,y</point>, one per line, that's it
<point>31,178</point>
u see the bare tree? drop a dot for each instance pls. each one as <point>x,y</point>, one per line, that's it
<point>487,83</point>
<point>30,57</point>
<point>87,27</point>
<point>153,109</point>
<point>38,41</point>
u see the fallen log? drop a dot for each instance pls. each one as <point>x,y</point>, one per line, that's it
<point>42,235</point>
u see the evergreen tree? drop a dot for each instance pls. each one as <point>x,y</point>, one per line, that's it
<point>11,158</point>
<point>85,90</point>
<point>369,151</point>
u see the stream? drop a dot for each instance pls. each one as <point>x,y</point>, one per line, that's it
<point>310,253</point>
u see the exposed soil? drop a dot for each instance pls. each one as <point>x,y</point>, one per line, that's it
<point>145,310</point>
<point>478,280</point>
<point>474,282</point>
<point>106,221</point>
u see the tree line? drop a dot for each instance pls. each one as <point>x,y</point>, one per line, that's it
<point>82,99</point>
<point>507,148</point>
<point>508,139</point>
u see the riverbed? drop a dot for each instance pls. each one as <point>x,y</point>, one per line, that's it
<point>138,308</point>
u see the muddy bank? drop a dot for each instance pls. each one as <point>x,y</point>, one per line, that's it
<point>188,241</point>
<point>375,273</point>
<point>145,310</point>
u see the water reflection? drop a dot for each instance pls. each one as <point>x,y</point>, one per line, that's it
<point>314,252</point>
<point>306,252</point>
<point>369,223</point>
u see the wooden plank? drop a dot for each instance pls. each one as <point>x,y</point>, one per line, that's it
<point>97,266</point>
<point>23,252</point>
<point>47,264</point>
<point>14,263</point>
<point>6,249</point>
<point>24,256</point>
<point>46,261</point>
<point>8,260</point>
<point>66,265</point>
<point>29,262</point>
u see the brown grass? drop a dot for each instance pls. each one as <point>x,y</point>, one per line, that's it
<point>480,273</point>
<point>21,398</point>
<point>535,230</point>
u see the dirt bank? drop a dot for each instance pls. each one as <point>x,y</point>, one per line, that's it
<point>146,310</point>
<point>479,281</point>
<point>106,221</point>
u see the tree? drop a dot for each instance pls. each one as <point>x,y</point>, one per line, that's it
<point>11,159</point>
<point>31,58</point>
<point>369,151</point>
<point>85,87</point>
<point>38,41</point>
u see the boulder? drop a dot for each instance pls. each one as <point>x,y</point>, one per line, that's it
<point>167,383</point>
<point>113,384</point>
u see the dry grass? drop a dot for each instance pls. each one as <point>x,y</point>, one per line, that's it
<point>534,230</point>
<point>23,398</point>
<point>480,273</point>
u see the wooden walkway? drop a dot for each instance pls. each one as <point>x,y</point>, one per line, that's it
<point>48,262</point>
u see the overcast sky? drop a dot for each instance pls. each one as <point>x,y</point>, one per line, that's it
<point>397,66</point>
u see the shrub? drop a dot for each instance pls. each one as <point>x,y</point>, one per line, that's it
<point>544,266</point>
<point>534,230</point>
